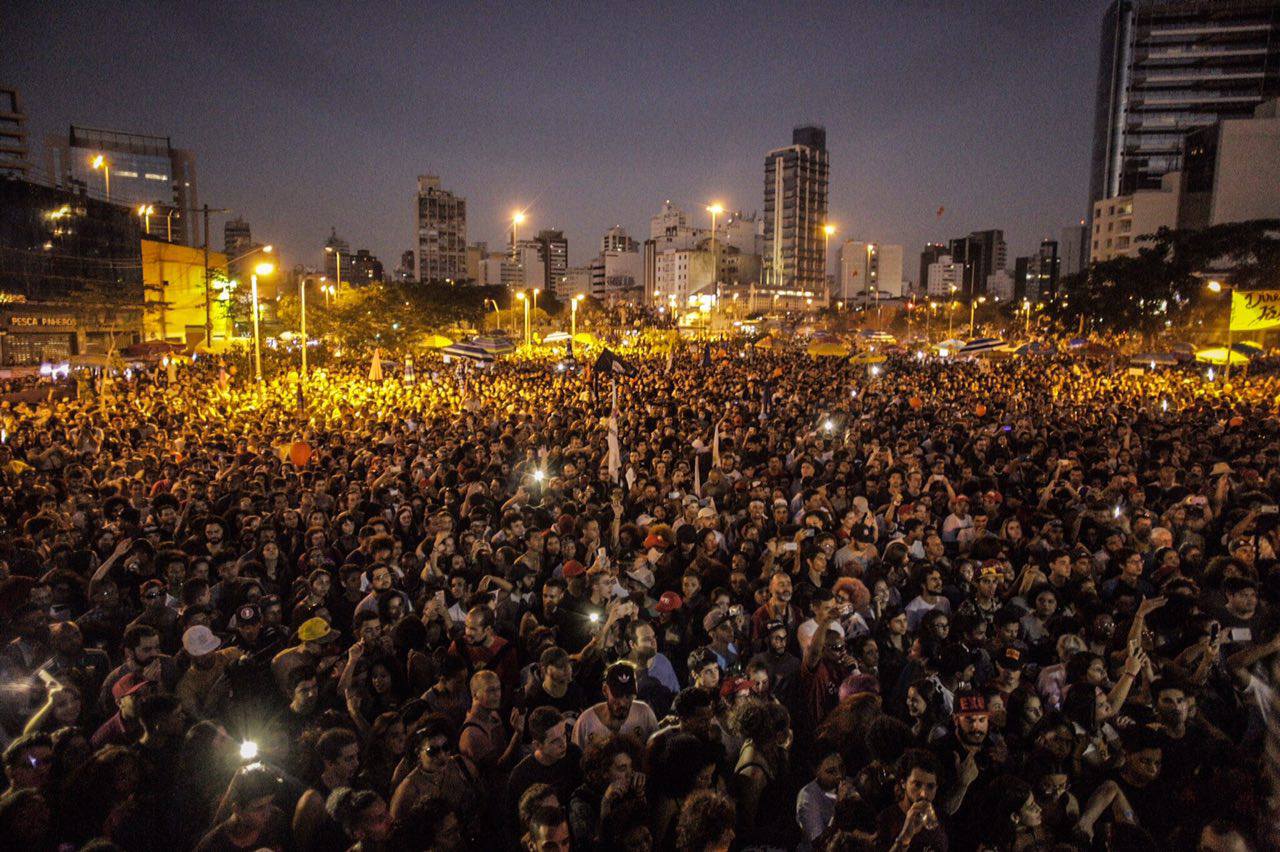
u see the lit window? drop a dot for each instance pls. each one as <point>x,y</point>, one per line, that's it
<point>124,173</point>
<point>154,176</point>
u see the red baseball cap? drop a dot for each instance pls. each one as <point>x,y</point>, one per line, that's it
<point>669,602</point>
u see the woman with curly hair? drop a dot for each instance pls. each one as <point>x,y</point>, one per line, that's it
<point>706,823</point>
<point>608,764</point>
<point>762,784</point>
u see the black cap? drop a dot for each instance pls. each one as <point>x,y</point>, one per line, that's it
<point>248,614</point>
<point>620,679</point>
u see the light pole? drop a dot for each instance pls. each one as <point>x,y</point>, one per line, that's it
<point>973,305</point>
<point>525,301</point>
<point>1026,328</point>
<point>517,220</point>
<point>100,162</point>
<point>261,269</point>
<point>951,310</point>
<point>145,211</point>
<point>536,291</point>
<point>208,299</point>
<point>827,230</point>
<point>573,315</point>
<point>715,210</point>
<point>168,223</point>
<point>1217,287</point>
<point>337,263</point>
<point>302,321</point>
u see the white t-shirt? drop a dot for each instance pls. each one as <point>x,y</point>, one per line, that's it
<point>640,723</point>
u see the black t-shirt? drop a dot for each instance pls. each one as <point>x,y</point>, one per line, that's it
<point>573,700</point>
<point>563,775</point>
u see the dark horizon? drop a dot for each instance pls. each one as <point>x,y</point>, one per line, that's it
<point>299,129</point>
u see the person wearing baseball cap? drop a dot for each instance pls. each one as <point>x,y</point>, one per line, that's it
<point>782,665</point>
<point>201,688</point>
<point>620,712</point>
<point>313,635</point>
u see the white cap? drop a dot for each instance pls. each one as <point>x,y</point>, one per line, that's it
<point>199,640</point>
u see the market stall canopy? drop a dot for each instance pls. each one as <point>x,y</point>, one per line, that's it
<point>436,341</point>
<point>828,349</point>
<point>586,338</point>
<point>556,337</point>
<point>470,352</point>
<point>981,344</point>
<point>1218,355</point>
<point>1154,359</point>
<point>493,344</point>
<point>868,358</point>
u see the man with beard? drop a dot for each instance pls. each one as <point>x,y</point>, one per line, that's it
<point>84,668</point>
<point>619,713</point>
<point>554,685</point>
<point>778,608</point>
<point>782,665</point>
<point>142,657</point>
<point>483,649</point>
<point>961,752</point>
<point>656,682</point>
<point>203,685</point>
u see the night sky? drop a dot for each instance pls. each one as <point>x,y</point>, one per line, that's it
<point>311,115</point>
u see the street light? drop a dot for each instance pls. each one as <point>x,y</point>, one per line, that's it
<point>337,262</point>
<point>100,162</point>
<point>1217,287</point>
<point>715,210</point>
<point>536,291</point>
<point>573,314</point>
<point>145,211</point>
<point>168,222</point>
<point>973,305</point>
<point>525,302</point>
<point>208,299</point>
<point>517,219</point>
<point>263,269</point>
<point>827,230</point>
<point>1026,329</point>
<point>302,319</point>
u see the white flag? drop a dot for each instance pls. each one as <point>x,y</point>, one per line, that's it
<point>715,447</point>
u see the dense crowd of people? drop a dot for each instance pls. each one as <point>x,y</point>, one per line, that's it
<point>760,601</point>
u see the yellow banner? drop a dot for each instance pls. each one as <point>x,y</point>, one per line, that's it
<point>1255,310</point>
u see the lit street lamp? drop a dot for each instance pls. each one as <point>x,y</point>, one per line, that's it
<point>573,315</point>
<point>145,211</point>
<point>827,230</point>
<point>536,291</point>
<point>973,305</point>
<point>168,223</point>
<point>100,162</point>
<point>1216,287</point>
<point>525,302</point>
<point>715,210</point>
<point>337,263</point>
<point>263,269</point>
<point>516,221</point>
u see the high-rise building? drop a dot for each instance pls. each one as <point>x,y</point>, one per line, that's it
<point>982,253</point>
<point>617,239</point>
<point>404,272</point>
<point>442,232</point>
<point>795,211</point>
<point>553,249</point>
<point>338,260</point>
<point>943,277</point>
<point>1075,249</point>
<point>928,257</point>
<point>1231,170</point>
<point>140,169</point>
<point>1167,67</point>
<point>1123,225</point>
<point>867,269</point>
<point>237,237</point>
<point>1045,272</point>
<point>365,268</point>
<point>13,134</point>
<point>617,273</point>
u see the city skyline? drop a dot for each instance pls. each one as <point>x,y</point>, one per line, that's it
<point>302,132</point>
